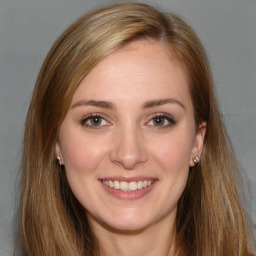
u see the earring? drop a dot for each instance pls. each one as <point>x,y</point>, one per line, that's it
<point>59,160</point>
<point>196,160</point>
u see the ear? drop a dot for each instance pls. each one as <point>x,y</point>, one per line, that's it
<point>58,154</point>
<point>198,143</point>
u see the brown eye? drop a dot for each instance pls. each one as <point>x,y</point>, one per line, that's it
<point>94,121</point>
<point>159,121</point>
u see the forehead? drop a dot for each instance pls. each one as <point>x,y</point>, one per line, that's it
<point>141,69</point>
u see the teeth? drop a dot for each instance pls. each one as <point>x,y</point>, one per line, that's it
<point>116,184</point>
<point>133,186</point>
<point>111,184</point>
<point>127,186</point>
<point>124,186</point>
<point>140,184</point>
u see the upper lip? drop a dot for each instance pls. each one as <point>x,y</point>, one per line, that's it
<point>128,179</point>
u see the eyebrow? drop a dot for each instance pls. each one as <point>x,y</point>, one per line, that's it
<point>109,105</point>
<point>95,103</point>
<point>156,103</point>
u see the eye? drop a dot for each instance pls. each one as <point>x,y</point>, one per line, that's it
<point>161,121</point>
<point>94,121</point>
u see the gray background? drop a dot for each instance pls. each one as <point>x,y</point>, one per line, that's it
<point>28,28</point>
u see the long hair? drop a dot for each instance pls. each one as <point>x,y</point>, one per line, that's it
<point>211,220</point>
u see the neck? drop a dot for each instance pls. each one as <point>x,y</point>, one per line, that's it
<point>155,240</point>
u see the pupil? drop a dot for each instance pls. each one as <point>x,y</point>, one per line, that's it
<point>96,120</point>
<point>158,121</point>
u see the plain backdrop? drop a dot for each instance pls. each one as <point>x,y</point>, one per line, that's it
<point>28,28</point>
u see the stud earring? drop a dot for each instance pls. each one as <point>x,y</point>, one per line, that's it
<point>196,160</point>
<point>59,160</point>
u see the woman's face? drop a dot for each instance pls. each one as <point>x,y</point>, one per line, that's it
<point>129,138</point>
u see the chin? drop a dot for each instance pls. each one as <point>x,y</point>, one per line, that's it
<point>126,226</point>
<point>124,222</point>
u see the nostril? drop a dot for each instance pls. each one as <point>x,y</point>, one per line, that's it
<point>129,162</point>
<point>128,148</point>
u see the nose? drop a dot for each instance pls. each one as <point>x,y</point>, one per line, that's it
<point>129,149</point>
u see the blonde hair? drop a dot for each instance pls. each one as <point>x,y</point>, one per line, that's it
<point>211,220</point>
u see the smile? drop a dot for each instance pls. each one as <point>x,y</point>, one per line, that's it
<point>128,186</point>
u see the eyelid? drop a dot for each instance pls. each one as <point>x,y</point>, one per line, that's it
<point>87,117</point>
<point>168,117</point>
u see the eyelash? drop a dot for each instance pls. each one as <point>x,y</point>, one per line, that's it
<point>90,117</point>
<point>164,116</point>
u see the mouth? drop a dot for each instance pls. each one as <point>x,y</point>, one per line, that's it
<point>126,186</point>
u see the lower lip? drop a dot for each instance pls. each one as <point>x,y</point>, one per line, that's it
<point>129,195</point>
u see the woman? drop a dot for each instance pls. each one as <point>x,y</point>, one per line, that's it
<point>125,103</point>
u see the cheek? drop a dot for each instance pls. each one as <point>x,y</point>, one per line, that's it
<point>174,152</point>
<point>81,153</point>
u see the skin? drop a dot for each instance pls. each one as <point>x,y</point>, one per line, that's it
<point>128,142</point>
